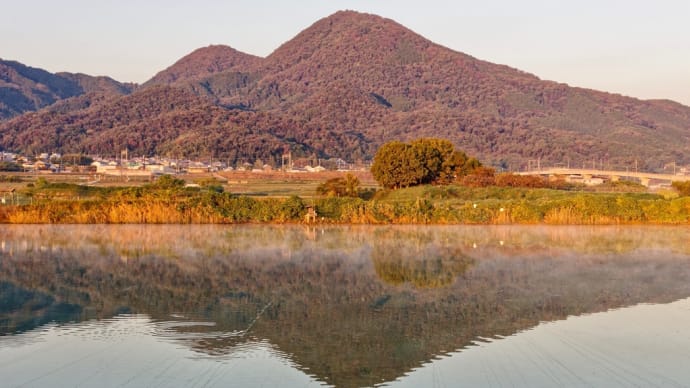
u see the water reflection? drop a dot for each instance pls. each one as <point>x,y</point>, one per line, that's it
<point>644,346</point>
<point>400,259</point>
<point>348,306</point>
<point>133,350</point>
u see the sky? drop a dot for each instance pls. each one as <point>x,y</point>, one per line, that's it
<point>637,48</point>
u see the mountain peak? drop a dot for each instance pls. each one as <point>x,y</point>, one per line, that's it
<point>350,37</point>
<point>351,16</point>
<point>206,61</point>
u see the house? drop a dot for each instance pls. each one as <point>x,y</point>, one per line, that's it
<point>41,165</point>
<point>157,168</point>
<point>7,157</point>
<point>587,181</point>
<point>133,165</point>
<point>198,168</point>
<point>103,167</point>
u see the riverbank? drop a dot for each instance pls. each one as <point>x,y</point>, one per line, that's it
<point>73,204</point>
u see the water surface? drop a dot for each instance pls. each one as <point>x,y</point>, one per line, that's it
<point>344,306</point>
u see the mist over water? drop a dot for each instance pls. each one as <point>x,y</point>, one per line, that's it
<point>163,305</point>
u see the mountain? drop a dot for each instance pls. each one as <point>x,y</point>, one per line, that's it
<point>99,84</point>
<point>205,61</point>
<point>24,89</point>
<point>160,120</point>
<point>349,83</point>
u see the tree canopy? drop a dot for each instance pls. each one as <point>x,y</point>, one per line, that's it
<point>423,161</point>
<point>347,186</point>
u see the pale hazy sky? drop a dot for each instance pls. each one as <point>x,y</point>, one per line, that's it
<point>634,47</point>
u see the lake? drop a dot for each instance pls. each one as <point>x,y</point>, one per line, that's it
<point>345,306</point>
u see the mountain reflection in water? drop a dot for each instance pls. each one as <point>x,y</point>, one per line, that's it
<point>346,306</point>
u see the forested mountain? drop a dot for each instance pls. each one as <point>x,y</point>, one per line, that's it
<point>205,61</point>
<point>349,83</point>
<point>24,89</point>
<point>99,84</point>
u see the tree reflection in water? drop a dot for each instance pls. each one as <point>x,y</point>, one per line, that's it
<point>415,257</point>
<point>354,306</point>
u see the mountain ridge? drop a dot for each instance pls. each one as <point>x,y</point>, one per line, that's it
<point>24,88</point>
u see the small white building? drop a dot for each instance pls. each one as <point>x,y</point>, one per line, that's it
<point>156,168</point>
<point>593,181</point>
<point>315,169</point>
<point>103,167</point>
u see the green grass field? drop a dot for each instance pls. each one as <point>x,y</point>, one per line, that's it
<point>275,184</point>
<point>279,197</point>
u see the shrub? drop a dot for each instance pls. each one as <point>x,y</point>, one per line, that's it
<point>10,166</point>
<point>292,208</point>
<point>168,182</point>
<point>480,177</point>
<point>683,188</point>
<point>347,186</point>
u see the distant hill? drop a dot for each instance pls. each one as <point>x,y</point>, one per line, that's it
<point>205,61</point>
<point>349,83</point>
<point>24,89</point>
<point>99,84</point>
<point>159,120</point>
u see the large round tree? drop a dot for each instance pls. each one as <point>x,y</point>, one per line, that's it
<point>396,165</point>
<point>423,161</point>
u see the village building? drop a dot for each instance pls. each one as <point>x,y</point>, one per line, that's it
<point>103,167</point>
<point>159,169</point>
<point>198,168</point>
